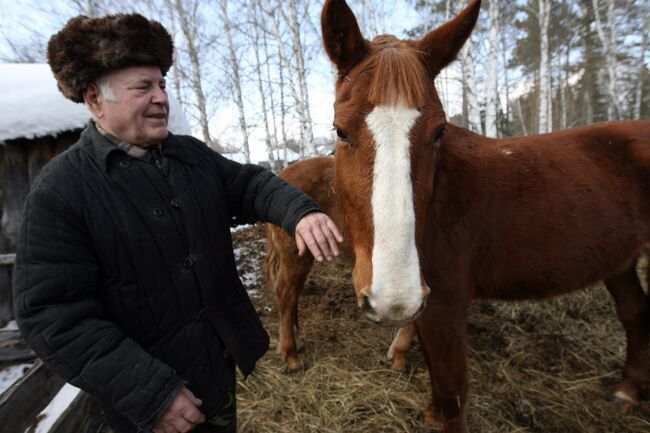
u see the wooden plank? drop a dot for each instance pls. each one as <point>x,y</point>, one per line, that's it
<point>26,398</point>
<point>6,313</point>
<point>7,259</point>
<point>6,287</point>
<point>15,182</point>
<point>83,416</point>
<point>15,186</point>
<point>6,295</point>
<point>13,348</point>
<point>8,336</point>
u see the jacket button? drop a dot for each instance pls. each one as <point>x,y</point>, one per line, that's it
<point>157,212</point>
<point>189,261</point>
<point>125,163</point>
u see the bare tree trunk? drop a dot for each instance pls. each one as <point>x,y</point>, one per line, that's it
<point>545,105</point>
<point>176,67</point>
<point>564,87</point>
<point>93,8</point>
<point>187,23</point>
<point>641,68</point>
<point>442,79</point>
<point>471,111</point>
<point>608,41</point>
<point>260,84</point>
<point>520,115</point>
<point>284,68</point>
<point>274,112</point>
<point>306,131</point>
<point>493,64</point>
<point>236,80</point>
<point>368,23</point>
<point>506,78</point>
<point>470,99</point>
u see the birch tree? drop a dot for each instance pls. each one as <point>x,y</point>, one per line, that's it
<point>638,93</point>
<point>607,33</point>
<point>176,73</point>
<point>545,104</point>
<point>285,80</point>
<point>471,110</point>
<point>234,69</point>
<point>186,12</point>
<point>258,32</point>
<point>293,21</point>
<point>491,107</point>
<point>370,16</point>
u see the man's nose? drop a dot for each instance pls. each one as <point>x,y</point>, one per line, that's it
<point>159,95</point>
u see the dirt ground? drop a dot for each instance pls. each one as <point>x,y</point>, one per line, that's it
<point>534,367</point>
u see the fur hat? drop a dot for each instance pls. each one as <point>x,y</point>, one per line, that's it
<point>87,48</point>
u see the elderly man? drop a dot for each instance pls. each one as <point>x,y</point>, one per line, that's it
<point>125,279</point>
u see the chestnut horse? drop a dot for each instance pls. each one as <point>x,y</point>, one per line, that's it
<point>440,216</point>
<point>287,272</point>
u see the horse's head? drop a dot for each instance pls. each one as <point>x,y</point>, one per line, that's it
<point>388,118</point>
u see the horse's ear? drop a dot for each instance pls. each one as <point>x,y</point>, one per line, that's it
<point>342,38</point>
<point>441,46</point>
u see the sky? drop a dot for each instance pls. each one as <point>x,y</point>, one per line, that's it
<point>20,17</point>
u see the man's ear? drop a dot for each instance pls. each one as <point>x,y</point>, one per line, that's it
<point>93,99</point>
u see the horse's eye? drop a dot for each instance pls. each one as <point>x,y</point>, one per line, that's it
<point>341,135</point>
<point>439,133</point>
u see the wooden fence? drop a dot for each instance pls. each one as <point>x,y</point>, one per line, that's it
<point>23,402</point>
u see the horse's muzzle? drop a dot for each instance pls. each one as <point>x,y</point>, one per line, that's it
<point>396,315</point>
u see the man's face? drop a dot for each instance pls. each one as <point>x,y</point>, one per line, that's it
<point>140,111</point>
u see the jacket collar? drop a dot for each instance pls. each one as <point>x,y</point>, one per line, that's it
<point>101,147</point>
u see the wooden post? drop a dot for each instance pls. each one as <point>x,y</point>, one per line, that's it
<point>26,398</point>
<point>15,185</point>
<point>21,160</point>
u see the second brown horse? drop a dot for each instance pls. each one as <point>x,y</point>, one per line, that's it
<point>286,271</point>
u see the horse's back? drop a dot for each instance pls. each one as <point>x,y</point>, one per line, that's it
<point>313,176</point>
<point>543,215</point>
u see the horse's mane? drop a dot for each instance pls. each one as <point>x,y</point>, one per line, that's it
<point>398,77</point>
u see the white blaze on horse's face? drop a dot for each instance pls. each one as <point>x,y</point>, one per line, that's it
<point>397,294</point>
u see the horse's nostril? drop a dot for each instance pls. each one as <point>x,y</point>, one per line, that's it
<point>366,305</point>
<point>397,311</point>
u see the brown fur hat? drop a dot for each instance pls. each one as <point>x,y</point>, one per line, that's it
<point>87,48</point>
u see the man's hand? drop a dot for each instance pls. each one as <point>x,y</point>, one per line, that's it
<point>182,415</point>
<point>318,233</point>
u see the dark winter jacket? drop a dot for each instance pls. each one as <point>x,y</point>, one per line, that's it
<point>125,280</point>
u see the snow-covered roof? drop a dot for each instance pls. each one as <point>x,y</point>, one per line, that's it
<point>32,106</point>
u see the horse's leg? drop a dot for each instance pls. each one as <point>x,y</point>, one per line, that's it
<point>633,309</point>
<point>291,280</point>
<point>400,347</point>
<point>431,415</point>
<point>442,332</point>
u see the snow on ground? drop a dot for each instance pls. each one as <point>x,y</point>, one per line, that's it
<point>11,326</point>
<point>32,106</point>
<point>11,374</point>
<point>249,256</point>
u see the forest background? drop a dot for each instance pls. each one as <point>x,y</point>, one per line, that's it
<point>254,82</point>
